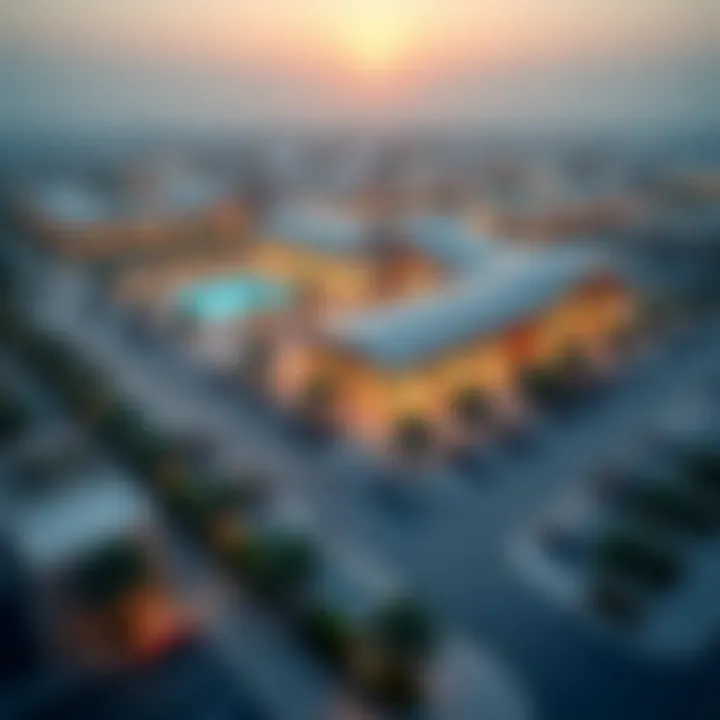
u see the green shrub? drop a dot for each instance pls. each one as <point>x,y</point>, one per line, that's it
<point>404,630</point>
<point>703,469</point>
<point>674,508</point>
<point>614,603</point>
<point>625,555</point>
<point>110,571</point>
<point>279,567</point>
<point>413,436</point>
<point>542,385</point>
<point>471,407</point>
<point>329,632</point>
<point>14,418</point>
<point>400,686</point>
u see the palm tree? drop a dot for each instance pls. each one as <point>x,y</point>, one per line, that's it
<point>14,418</point>
<point>126,432</point>
<point>280,567</point>
<point>406,638</point>
<point>329,632</point>
<point>403,629</point>
<point>413,437</point>
<point>625,555</point>
<point>211,509</point>
<point>541,385</point>
<point>703,469</point>
<point>109,573</point>
<point>471,408</point>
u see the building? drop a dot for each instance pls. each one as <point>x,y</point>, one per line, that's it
<point>327,258</point>
<point>405,317</point>
<point>520,310</point>
<point>132,213</point>
<point>89,545</point>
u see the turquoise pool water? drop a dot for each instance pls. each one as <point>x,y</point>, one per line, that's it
<point>231,297</point>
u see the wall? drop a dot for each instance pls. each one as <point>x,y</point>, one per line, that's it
<point>371,399</point>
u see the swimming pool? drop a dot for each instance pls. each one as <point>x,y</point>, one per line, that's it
<point>231,297</point>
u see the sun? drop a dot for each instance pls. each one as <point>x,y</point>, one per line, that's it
<point>372,44</point>
<point>374,49</point>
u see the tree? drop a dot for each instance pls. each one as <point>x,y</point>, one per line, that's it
<point>413,436</point>
<point>14,418</point>
<point>404,630</point>
<point>109,573</point>
<point>703,469</point>
<point>209,509</point>
<point>543,385</point>
<point>621,554</point>
<point>674,507</point>
<point>471,408</point>
<point>329,632</point>
<point>613,601</point>
<point>87,398</point>
<point>247,488</point>
<point>280,567</point>
<point>573,366</point>
<point>406,638</point>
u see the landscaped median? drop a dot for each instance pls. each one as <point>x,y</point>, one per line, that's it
<point>386,655</point>
<point>642,560</point>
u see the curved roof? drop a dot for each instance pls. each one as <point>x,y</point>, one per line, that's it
<point>514,285</point>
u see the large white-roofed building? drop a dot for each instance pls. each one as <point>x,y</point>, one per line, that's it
<point>517,310</point>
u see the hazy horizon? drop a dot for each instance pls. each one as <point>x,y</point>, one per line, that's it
<point>78,64</point>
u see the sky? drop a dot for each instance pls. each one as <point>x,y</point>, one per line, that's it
<point>238,62</point>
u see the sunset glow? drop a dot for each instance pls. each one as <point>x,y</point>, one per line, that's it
<point>224,61</point>
<point>373,49</point>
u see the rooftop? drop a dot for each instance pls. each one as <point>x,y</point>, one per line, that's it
<point>54,527</point>
<point>513,285</point>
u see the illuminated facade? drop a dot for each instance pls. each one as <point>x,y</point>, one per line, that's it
<point>398,319</point>
<point>414,358</point>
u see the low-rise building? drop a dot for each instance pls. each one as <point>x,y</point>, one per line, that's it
<point>83,220</point>
<point>521,310</point>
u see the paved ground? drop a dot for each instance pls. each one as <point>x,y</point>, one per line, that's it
<point>452,550</point>
<point>246,650</point>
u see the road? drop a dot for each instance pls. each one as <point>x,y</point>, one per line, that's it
<point>244,643</point>
<point>452,551</point>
